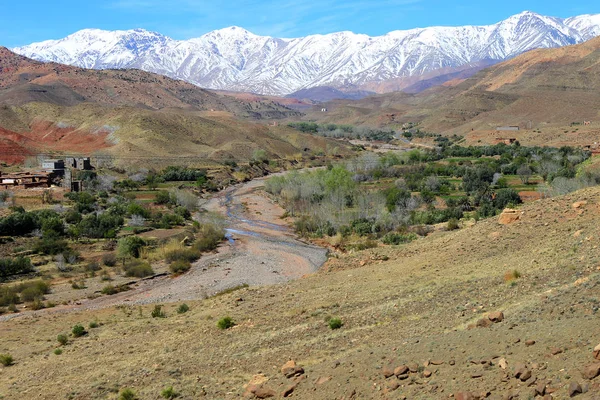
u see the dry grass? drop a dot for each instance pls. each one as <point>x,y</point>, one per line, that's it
<point>413,307</point>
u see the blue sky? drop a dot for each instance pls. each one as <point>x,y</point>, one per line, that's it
<point>23,22</point>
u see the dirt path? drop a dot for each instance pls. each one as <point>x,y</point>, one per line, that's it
<point>261,250</point>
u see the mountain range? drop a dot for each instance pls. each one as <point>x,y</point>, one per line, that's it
<point>237,60</point>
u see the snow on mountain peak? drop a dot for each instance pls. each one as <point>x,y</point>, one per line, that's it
<point>233,58</point>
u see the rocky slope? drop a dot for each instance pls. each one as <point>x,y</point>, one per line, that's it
<point>235,59</point>
<point>416,324</point>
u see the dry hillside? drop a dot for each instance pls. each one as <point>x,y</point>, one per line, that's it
<point>406,305</point>
<point>542,89</point>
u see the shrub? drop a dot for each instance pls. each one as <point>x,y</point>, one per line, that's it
<point>131,246</point>
<point>94,324</point>
<point>225,323</point>
<point>184,254</point>
<point>37,304</point>
<point>452,224</point>
<point>109,259</point>
<point>209,238</point>
<point>138,269</point>
<point>127,394</point>
<point>183,308</point>
<point>158,312</point>
<point>51,245</point>
<point>78,331</point>
<point>335,323</point>
<point>169,393</point>
<point>14,266</point>
<point>62,339</point>
<point>109,290</point>
<point>6,360</point>
<point>398,238</point>
<point>163,197</point>
<point>58,352</point>
<point>31,291</point>
<point>180,266</point>
<point>512,275</point>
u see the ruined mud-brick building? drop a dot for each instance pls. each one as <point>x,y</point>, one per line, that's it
<point>25,180</point>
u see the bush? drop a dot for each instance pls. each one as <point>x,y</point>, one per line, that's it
<point>109,290</point>
<point>398,238</point>
<point>183,308</point>
<point>158,312</point>
<point>512,275</point>
<point>452,224</point>
<point>169,393</point>
<point>210,237</point>
<point>180,266</point>
<point>131,246</point>
<point>62,339</point>
<point>14,266</point>
<point>78,331</point>
<point>6,360</point>
<point>225,323</point>
<point>127,394</point>
<point>163,197</point>
<point>335,323</point>
<point>109,259</point>
<point>31,291</point>
<point>51,245</point>
<point>58,352</point>
<point>184,254</point>
<point>138,269</point>
<point>94,324</point>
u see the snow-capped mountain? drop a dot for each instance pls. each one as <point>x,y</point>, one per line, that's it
<point>235,59</point>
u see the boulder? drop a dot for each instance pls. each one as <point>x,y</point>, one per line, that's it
<point>591,371</point>
<point>484,323</point>
<point>464,396</point>
<point>290,369</point>
<point>597,352</point>
<point>264,393</point>
<point>401,370</point>
<point>529,342</point>
<point>502,363</point>
<point>509,216</point>
<point>497,316</point>
<point>574,389</point>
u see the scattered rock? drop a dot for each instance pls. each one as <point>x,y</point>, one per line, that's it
<point>413,367</point>
<point>579,204</point>
<point>574,389</point>
<point>476,375</point>
<point>464,396</point>
<point>264,393</point>
<point>597,352</point>
<point>555,350</point>
<point>452,362</point>
<point>323,379</point>
<point>509,216</point>
<point>427,373</point>
<point>401,370</point>
<point>403,377</point>
<point>591,371</point>
<point>525,375</point>
<point>540,389</point>
<point>436,362</point>
<point>484,323</point>
<point>529,342</point>
<point>289,390</point>
<point>290,369</point>
<point>519,370</point>
<point>388,371</point>
<point>393,385</point>
<point>497,316</point>
<point>502,363</point>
